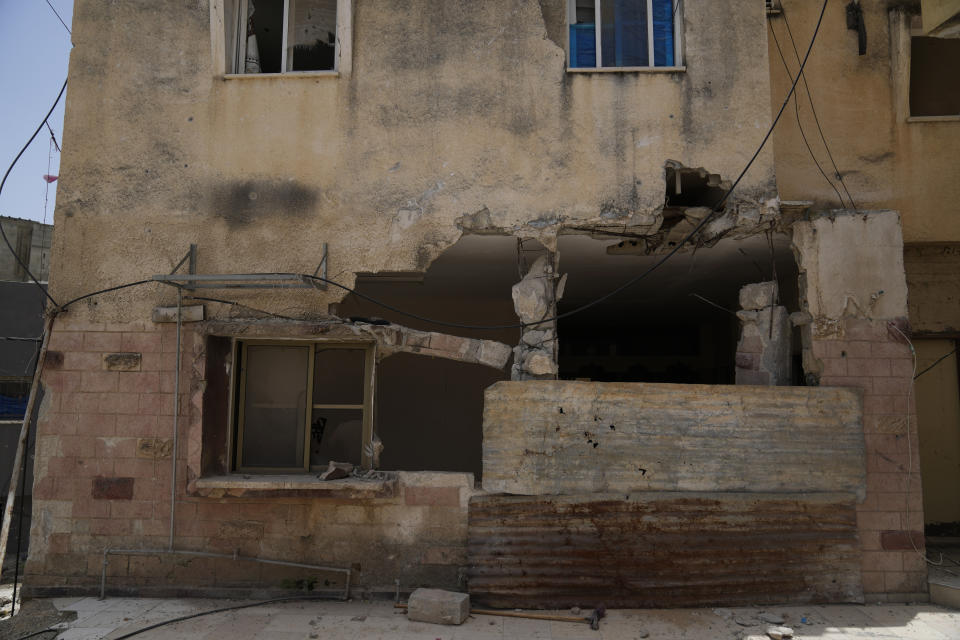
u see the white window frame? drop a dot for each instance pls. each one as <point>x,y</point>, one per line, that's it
<point>677,39</point>
<point>236,42</point>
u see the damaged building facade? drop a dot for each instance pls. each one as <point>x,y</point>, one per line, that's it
<point>479,296</point>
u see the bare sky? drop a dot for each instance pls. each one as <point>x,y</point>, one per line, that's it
<point>34,52</point>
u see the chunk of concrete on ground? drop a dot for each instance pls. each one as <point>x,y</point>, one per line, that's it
<point>779,633</point>
<point>438,606</point>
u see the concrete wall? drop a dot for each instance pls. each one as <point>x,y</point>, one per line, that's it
<point>564,437</point>
<point>887,160</point>
<point>857,339</point>
<point>103,474</point>
<point>448,109</point>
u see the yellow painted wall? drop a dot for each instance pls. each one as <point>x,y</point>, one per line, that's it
<point>938,417</point>
<point>448,109</point>
<point>887,161</point>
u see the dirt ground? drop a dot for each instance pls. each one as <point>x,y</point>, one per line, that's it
<point>34,615</point>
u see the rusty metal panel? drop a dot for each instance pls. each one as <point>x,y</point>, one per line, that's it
<point>564,437</point>
<point>663,549</point>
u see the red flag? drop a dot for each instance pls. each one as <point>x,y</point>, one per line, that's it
<point>50,178</point>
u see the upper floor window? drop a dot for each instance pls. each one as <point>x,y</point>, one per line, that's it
<point>933,62</point>
<point>280,36</point>
<point>631,33</point>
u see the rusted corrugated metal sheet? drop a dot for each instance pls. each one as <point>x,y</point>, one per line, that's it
<point>564,437</point>
<point>663,549</point>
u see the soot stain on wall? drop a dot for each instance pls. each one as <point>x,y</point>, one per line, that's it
<point>241,202</point>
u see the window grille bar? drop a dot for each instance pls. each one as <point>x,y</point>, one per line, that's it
<point>286,35</point>
<point>598,61</point>
<point>651,61</point>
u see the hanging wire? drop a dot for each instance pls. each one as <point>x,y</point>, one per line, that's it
<point>796,107</point>
<point>816,118</point>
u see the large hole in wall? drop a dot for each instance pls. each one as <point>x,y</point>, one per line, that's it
<point>429,411</point>
<point>678,324</point>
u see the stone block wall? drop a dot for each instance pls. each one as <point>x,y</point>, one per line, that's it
<point>872,355</point>
<point>102,480</point>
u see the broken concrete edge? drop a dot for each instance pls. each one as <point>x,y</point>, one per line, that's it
<point>389,338</point>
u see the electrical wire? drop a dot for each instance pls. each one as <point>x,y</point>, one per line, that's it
<point>59,18</point>
<point>238,304</point>
<point>19,260</point>
<point>107,290</point>
<point>36,633</point>
<point>816,118</point>
<point>936,362</point>
<point>221,610</point>
<point>913,352</point>
<point>796,107</point>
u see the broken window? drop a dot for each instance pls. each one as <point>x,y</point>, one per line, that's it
<point>302,405</point>
<point>934,71</point>
<point>631,33</point>
<point>280,36</point>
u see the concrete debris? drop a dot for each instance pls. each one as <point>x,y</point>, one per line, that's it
<point>336,471</point>
<point>770,618</point>
<point>438,606</point>
<point>759,295</point>
<point>763,352</point>
<point>533,296</point>
<point>726,614</point>
<point>535,338</point>
<point>534,299</point>
<point>778,633</point>
<point>538,363</point>
<point>800,318</point>
<point>746,621</point>
<point>394,338</point>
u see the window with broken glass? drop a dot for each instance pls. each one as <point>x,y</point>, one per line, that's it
<point>300,406</point>
<point>281,36</point>
<point>632,34</point>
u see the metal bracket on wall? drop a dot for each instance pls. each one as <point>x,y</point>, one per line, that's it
<point>191,259</point>
<point>236,281</point>
<point>322,270</point>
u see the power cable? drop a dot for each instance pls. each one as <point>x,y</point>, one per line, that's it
<point>581,308</point>
<point>3,233</point>
<point>107,290</point>
<point>936,362</point>
<point>36,633</point>
<point>222,609</point>
<point>796,106</point>
<point>816,118</point>
<point>239,304</point>
<point>59,18</point>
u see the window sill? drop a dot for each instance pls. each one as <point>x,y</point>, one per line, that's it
<point>955,118</point>
<point>289,74</point>
<point>626,69</point>
<point>293,485</point>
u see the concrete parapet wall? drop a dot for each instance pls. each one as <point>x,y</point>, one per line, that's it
<point>546,437</point>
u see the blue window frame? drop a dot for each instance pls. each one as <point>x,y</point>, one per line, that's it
<point>632,33</point>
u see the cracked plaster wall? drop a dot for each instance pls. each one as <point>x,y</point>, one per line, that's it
<point>449,110</point>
